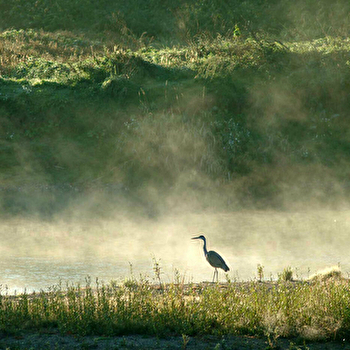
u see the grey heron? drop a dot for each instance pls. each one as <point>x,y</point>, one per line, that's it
<point>213,258</point>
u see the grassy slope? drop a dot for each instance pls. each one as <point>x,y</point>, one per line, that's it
<point>246,100</point>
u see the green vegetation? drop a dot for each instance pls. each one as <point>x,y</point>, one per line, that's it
<point>222,105</point>
<point>149,106</point>
<point>309,311</point>
<point>286,275</point>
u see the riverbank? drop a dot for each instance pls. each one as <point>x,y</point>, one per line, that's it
<point>139,314</point>
<point>244,119</point>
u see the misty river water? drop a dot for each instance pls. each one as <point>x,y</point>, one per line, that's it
<point>36,255</point>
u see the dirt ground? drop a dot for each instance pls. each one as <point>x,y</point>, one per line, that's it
<point>55,341</point>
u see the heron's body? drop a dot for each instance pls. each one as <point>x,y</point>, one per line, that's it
<point>213,258</point>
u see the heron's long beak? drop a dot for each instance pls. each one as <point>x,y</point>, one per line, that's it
<point>195,238</point>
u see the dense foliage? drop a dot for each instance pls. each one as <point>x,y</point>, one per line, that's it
<point>231,103</point>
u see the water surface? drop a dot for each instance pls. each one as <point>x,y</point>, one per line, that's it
<point>37,255</point>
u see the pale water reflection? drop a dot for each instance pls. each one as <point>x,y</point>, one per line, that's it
<point>35,274</point>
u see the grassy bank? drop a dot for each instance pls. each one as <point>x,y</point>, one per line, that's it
<point>310,311</point>
<point>225,106</point>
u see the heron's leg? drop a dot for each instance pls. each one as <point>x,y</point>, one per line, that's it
<point>215,273</point>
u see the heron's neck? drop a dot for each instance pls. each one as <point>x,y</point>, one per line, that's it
<point>205,247</point>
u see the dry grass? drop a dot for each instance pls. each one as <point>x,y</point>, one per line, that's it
<point>330,273</point>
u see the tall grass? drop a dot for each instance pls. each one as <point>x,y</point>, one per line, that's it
<point>314,311</point>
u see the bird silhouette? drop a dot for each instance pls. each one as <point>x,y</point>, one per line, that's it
<point>213,258</point>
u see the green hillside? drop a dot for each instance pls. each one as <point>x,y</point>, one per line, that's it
<point>156,106</point>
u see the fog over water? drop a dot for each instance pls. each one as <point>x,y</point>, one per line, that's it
<point>36,254</point>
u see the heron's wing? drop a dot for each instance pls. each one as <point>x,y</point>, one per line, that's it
<point>215,260</point>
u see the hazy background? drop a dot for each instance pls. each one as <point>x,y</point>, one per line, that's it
<point>127,128</point>
<point>37,254</point>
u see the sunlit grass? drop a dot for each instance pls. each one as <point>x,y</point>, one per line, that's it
<point>206,55</point>
<point>313,311</point>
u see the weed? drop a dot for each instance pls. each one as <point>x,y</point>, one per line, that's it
<point>260,271</point>
<point>185,339</point>
<point>286,275</point>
